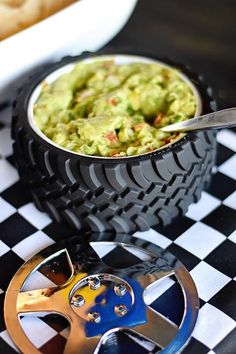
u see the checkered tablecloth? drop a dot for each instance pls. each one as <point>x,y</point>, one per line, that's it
<point>204,240</point>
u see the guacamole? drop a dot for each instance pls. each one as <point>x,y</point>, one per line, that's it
<point>110,110</point>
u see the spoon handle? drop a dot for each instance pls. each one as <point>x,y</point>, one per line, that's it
<point>225,118</point>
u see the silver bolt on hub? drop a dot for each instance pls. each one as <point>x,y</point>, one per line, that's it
<point>77,300</point>
<point>120,289</point>
<point>120,310</point>
<point>94,317</point>
<point>94,283</point>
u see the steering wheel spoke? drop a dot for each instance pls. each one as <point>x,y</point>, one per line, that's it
<point>147,281</point>
<point>40,300</point>
<point>157,328</point>
<point>77,341</point>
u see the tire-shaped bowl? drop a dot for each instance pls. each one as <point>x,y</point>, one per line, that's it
<point>111,194</point>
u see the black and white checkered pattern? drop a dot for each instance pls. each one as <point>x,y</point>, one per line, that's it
<point>204,240</point>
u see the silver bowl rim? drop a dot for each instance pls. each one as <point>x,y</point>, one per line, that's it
<point>119,59</point>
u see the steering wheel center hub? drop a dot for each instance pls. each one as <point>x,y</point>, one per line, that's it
<point>102,298</point>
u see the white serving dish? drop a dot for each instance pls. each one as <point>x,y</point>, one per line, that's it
<point>84,25</point>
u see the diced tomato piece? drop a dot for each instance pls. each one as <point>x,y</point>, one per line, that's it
<point>111,136</point>
<point>112,101</point>
<point>138,126</point>
<point>117,154</point>
<point>158,119</point>
<point>167,140</point>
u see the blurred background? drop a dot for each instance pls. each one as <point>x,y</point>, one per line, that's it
<point>199,33</point>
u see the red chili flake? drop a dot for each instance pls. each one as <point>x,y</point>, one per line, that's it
<point>112,101</point>
<point>115,154</point>
<point>138,126</point>
<point>111,136</point>
<point>158,119</point>
<point>167,140</point>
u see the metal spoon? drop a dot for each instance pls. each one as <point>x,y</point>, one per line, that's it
<point>225,118</point>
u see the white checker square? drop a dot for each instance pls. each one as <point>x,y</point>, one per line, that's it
<point>9,175</point>
<point>3,248</point>
<point>227,138</point>
<point>212,326</point>
<point>157,290</point>
<point>32,245</point>
<point>206,205</point>
<point>200,239</point>
<point>37,331</point>
<point>229,167</point>
<point>1,291</point>
<point>5,336</point>
<point>211,352</point>
<point>230,201</point>
<point>5,142</point>
<point>208,280</point>
<point>37,280</point>
<point>6,209</point>
<point>102,249</point>
<point>154,237</point>
<point>34,216</point>
<point>232,237</point>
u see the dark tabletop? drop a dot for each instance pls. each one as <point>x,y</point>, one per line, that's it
<point>200,33</point>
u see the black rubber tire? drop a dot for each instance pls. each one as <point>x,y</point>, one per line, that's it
<point>121,195</point>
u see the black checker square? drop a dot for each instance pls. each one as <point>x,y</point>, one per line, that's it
<point>223,154</point>
<point>222,219</point>
<point>227,345</point>
<point>9,264</point>
<point>223,258</point>
<point>195,347</point>
<point>6,348</point>
<point>171,304</point>
<point>221,186</point>
<point>15,229</point>
<point>55,345</point>
<point>59,231</point>
<point>2,324</point>
<point>118,344</point>
<point>176,228</point>
<point>118,253</point>
<point>201,303</point>
<point>188,259</point>
<point>17,195</point>
<point>58,323</point>
<point>12,160</point>
<point>228,292</point>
